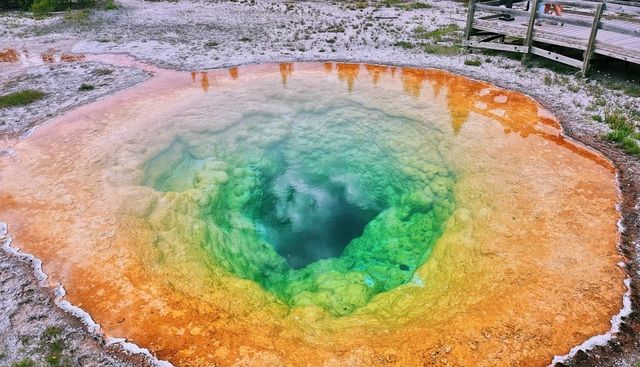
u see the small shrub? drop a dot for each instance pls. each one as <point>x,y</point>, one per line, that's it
<point>21,98</point>
<point>42,7</point>
<point>86,87</point>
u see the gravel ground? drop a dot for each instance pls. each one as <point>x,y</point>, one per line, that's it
<point>200,35</point>
<point>33,328</point>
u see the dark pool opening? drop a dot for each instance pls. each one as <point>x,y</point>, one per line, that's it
<point>307,219</point>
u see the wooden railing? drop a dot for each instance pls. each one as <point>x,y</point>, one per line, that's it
<point>594,24</point>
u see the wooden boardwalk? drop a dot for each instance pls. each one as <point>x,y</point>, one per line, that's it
<point>605,28</point>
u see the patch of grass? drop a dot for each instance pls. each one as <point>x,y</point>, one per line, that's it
<point>77,16</point>
<point>508,55</point>
<point>86,87</point>
<point>618,82</point>
<point>53,346</point>
<point>541,62</point>
<point>404,44</point>
<point>110,5</point>
<point>45,7</point>
<point>52,331</point>
<point>473,62</point>
<point>624,133</point>
<point>21,98</point>
<point>631,146</point>
<point>574,88</point>
<point>438,35</point>
<point>54,354</point>
<point>42,7</point>
<point>335,29</point>
<point>24,363</point>
<point>443,49</point>
<point>632,90</point>
<point>418,5</point>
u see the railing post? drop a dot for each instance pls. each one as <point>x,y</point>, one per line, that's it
<point>470,15</point>
<point>528,39</point>
<point>591,45</point>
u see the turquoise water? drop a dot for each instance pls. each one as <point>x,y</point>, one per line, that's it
<point>326,206</point>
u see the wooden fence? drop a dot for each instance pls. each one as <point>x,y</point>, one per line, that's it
<point>609,28</point>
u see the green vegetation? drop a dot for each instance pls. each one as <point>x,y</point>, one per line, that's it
<point>52,331</point>
<point>442,34</point>
<point>420,6</point>
<point>110,5</point>
<point>441,41</point>
<point>54,346</point>
<point>77,16</point>
<point>632,90</point>
<point>21,98</point>
<point>533,61</point>
<point>629,88</point>
<point>44,7</point>
<point>24,363</point>
<point>624,133</point>
<point>102,72</point>
<point>473,62</point>
<point>443,49</point>
<point>335,29</point>
<point>417,5</point>
<point>404,44</point>
<point>86,87</point>
<point>390,3</point>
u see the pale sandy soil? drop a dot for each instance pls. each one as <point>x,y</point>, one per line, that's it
<point>198,35</point>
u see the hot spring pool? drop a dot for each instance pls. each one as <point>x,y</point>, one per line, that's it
<point>322,215</point>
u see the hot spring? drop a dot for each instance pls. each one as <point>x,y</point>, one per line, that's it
<point>322,215</point>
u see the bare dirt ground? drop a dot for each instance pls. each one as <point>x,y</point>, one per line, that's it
<point>200,35</point>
